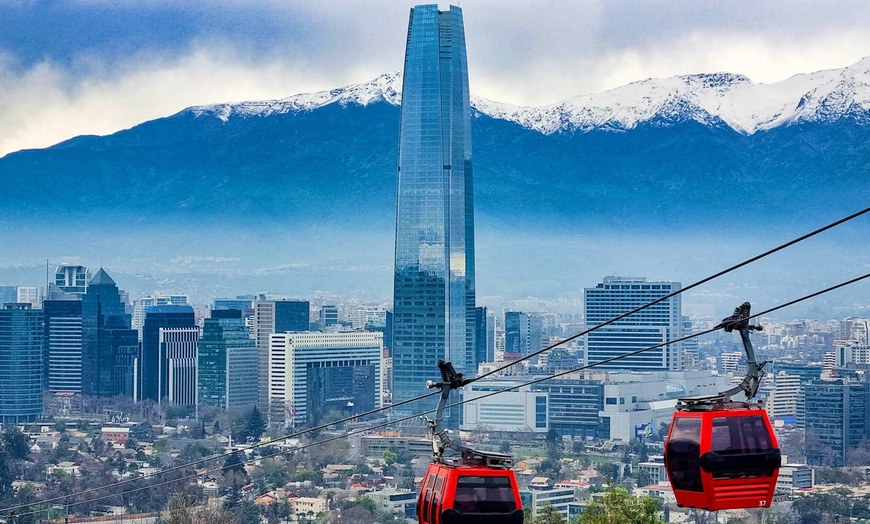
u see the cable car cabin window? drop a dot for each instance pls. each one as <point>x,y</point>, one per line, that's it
<point>744,443</point>
<point>427,501</point>
<point>436,499</point>
<point>684,449</point>
<point>484,495</point>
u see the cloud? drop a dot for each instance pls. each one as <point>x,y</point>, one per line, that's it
<point>95,67</point>
<point>48,104</point>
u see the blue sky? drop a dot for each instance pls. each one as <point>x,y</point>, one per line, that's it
<point>97,66</point>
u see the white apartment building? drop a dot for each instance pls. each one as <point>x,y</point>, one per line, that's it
<point>141,305</point>
<point>782,400</point>
<point>310,373</point>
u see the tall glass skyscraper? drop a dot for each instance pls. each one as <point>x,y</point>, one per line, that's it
<point>433,289</point>
<point>20,363</point>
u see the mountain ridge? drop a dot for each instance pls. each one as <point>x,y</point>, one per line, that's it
<point>708,98</point>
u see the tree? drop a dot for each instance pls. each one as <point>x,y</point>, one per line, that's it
<point>554,445</point>
<point>256,424</point>
<point>617,506</point>
<point>609,470</point>
<point>389,457</point>
<point>17,444</point>
<point>812,508</point>
<point>549,515</point>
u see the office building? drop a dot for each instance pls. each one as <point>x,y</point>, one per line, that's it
<point>523,333</point>
<point>178,365</point>
<point>361,317</point>
<point>110,347</point>
<point>228,362</point>
<point>21,368</point>
<point>837,413</point>
<point>29,295</point>
<point>433,287</point>
<point>328,316</point>
<point>311,374</point>
<point>653,325</point>
<point>691,347</point>
<point>782,398</point>
<point>141,305</point>
<point>574,405</point>
<point>72,278</point>
<point>851,353</point>
<point>275,316</point>
<point>547,495</point>
<point>8,294</point>
<point>243,304</point>
<point>63,345</point>
<point>158,342</point>
<point>521,410</point>
<point>484,335</point>
<point>806,372</point>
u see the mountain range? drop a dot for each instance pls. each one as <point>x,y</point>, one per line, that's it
<point>687,156</point>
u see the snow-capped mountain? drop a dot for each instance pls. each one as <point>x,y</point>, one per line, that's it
<point>711,99</point>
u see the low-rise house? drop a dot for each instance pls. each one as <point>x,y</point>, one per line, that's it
<point>70,468</point>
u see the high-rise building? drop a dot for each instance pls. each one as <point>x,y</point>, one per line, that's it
<point>228,362</point>
<point>154,379</point>
<point>140,306</point>
<point>21,369</point>
<point>523,333</point>
<point>72,278</point>
<point>782,399</point>
<point>838,413</point>
<point>433,287</point>
<point>178,365</point>
<point>656,324</point>
<point>8,294</point>
<point>29,295</point>
<point>243,304</point>
<point>328,316</point>
<point>63,345</point>
<point>691,348</point>
<point>275,316</point>
<point>110,347</point>
<point>484,343</point>
<point>313,373</point>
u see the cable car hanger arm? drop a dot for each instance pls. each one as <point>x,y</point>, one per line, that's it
<point>754,370</point>
<point>441,439</point>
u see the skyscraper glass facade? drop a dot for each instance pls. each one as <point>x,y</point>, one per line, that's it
<point>434,295</point>
<point>110,347</point>
<point>228,362</point>
<point>153,379</point>
<point>63,345</point>
<point>21,369</point>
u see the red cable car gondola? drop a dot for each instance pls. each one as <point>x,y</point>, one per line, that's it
<point>722,454</point>
<point>473,487</point>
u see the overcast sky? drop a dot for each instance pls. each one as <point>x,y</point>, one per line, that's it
<point>96,66</point>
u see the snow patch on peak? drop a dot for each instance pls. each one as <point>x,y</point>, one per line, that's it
<point>386,87</point>
<point>711,99</point>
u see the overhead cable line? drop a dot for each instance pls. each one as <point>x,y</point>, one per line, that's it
<point>494,371</point>
<point>679,291</point>
<point>409,417</point>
